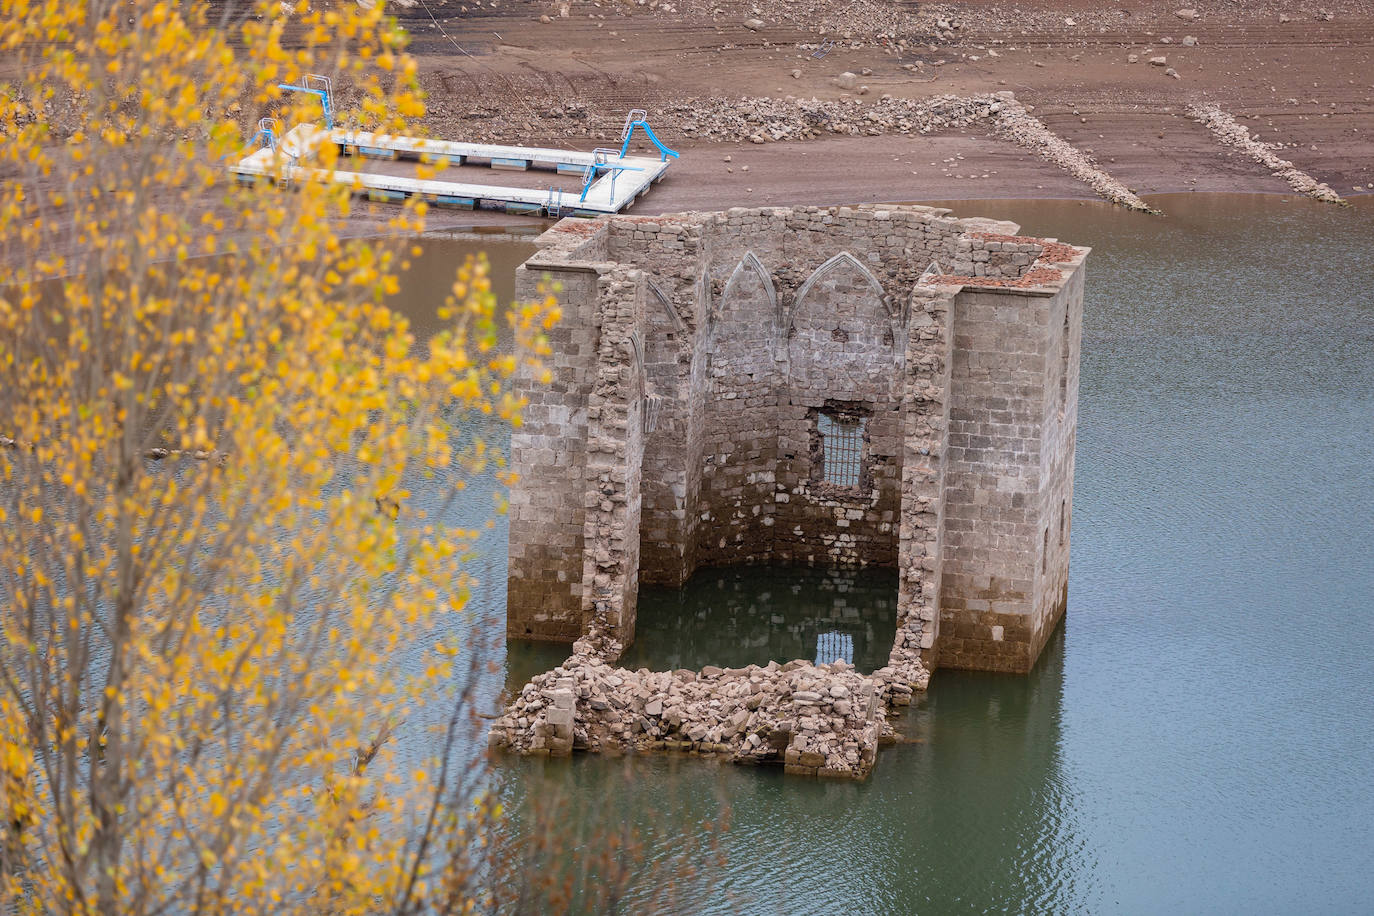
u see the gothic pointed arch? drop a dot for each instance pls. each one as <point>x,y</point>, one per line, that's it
<point>674,319</point>
<point>840,262</point>
<point>635,344</point>
<point>843,337</point>
<point>750,264</point>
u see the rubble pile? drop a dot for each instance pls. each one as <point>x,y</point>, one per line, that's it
<point>823,720</point>
<point>766,120</point>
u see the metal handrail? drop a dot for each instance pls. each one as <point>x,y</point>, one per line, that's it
<point>320,86</point>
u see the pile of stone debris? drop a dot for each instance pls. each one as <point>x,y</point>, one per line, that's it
<point>765,120</point>
<point>824,720</point>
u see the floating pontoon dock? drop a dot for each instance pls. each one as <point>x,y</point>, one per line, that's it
<point>610,179</point>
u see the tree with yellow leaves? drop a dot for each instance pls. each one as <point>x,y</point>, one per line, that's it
<point>209,424</point>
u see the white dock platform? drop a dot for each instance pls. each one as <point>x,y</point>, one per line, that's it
<point>609,193</point>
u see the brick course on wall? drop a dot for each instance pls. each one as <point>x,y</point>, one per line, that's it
<point>696,357</point>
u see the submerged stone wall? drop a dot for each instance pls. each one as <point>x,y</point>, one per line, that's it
<point>846,386</point>
<point>815,720</point>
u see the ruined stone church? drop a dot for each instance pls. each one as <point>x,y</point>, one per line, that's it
<point>886,386</point>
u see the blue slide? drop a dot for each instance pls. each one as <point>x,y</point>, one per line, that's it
<point>664,152</point>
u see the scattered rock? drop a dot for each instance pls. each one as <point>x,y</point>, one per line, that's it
<point>847,80</point>
<point>1159,62</point>
<point>1188,14</point>
<point>754,25</point>
<point>1189,41</point>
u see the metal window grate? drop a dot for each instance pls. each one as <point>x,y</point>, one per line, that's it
<point>842,444</point>
<point>653,403</point>
<point>834,646</point>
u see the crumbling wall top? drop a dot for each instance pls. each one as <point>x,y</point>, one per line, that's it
<point>1053,263</point>
<point>572,243</point>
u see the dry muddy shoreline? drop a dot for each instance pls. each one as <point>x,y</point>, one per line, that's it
<point>744,80</point>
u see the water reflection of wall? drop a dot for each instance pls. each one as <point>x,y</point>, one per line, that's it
<point>992,811</point>
<point>751,615</point>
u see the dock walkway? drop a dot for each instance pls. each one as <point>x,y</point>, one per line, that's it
<point>621,180</point>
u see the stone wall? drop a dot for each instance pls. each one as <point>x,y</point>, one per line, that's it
<point>676,315</point>
<point>547,509</point>
<point>1008,479</point>
<point>697,356</point>
<point>815,720</point>
<point>615,453</point>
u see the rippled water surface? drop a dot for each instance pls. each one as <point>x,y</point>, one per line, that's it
<point>1197,736</point>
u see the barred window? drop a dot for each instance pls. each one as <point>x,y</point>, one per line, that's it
<point>842,446</point>
<point>833,646</point>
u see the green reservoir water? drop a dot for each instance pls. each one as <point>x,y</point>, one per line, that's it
<point>1197,737</point>
<point>749,615</point>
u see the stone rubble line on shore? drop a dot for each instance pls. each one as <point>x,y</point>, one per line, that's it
<point>766,119</point>
<point>817,720</point>
<point>794,119</point>
<point>1228,132</point>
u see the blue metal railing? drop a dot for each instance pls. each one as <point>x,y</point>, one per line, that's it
<point>266,135</point>
<point>601,162</point>
<point>636,118</point>
<point>319,86</point>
